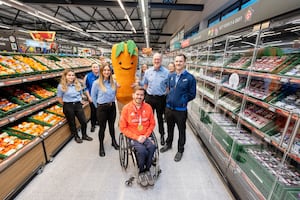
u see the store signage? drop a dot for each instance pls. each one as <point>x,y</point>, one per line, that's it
<point>43,35</point>
<point>147,51</point>
<point>8,42</point>
<point>256,13</point>
<point>185,43</point>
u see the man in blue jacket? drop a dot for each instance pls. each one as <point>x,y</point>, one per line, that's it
<point>182,89</point>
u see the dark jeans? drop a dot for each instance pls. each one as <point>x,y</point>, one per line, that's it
<point>72,110</point>
<point>158,103</point>
<point>176,117</point>
<point>93,114</point>
<point>144,153</point>
<point>106,113</point>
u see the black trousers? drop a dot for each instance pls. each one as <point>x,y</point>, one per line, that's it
<point>158,103</point>
<point>106,113</point>
<point>72,110</point>
<point>93,114</point>
<point>179,118</point>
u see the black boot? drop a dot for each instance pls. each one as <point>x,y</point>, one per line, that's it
<point>114,144</point>
<point>101,150</point>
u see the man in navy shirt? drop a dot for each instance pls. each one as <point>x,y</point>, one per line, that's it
<point>88,81</point>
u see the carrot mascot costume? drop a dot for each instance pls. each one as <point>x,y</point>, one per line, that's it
<point>124,57</point>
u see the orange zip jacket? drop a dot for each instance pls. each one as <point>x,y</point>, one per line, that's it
<point>131,117</point>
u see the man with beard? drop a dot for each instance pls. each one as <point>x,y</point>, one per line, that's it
<point>137,123</point>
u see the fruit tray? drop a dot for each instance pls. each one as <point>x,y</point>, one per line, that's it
<point>35,65</point>
<point>56,109</point>
<point>19,67</point>
<point>6,72</point>
<point>10,143</point>
<point>46,118</point>
<point>39,92</point>
<point>29,127</point>
<point>7,107</point>
<point>50,63</point>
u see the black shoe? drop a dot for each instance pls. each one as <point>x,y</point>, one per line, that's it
<point>78,140</point>
<point>93,129</point>
<point>162,140</point>
<point>178,156</point>
<point>101,152</point>
<point>88,138</point>
<point>115,145</point>
<point>165,148</point>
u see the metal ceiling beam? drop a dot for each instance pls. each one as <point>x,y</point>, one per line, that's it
<point>101,3</point>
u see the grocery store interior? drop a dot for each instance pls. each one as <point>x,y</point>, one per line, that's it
<point>243,127</point>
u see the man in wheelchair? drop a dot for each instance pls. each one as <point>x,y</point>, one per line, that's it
<point>137,123</point>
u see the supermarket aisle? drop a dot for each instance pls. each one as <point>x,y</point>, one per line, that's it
<point>78,173</point>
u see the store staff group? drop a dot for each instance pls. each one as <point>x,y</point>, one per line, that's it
<point>168,93</point>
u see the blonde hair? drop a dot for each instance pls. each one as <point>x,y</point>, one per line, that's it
<point>64,82</point>
<point>110,79</point>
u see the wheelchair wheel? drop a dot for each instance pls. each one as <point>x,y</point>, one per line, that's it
<point>123,151</point>
<point>155,160</point>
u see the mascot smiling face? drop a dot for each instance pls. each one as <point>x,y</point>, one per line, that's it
<point>124,57</point>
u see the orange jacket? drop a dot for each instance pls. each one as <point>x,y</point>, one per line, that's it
<point>131,117</point>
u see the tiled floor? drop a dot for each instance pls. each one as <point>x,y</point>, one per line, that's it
<point>78,173</point>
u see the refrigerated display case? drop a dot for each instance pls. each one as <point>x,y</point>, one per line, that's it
<point>247,110</point>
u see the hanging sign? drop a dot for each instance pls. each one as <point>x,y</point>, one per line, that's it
<point>147,51</point>
<point>43,35</point>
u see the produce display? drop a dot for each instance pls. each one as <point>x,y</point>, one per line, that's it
<point>6,105</point>
<point>16,65</point>
<point>6,71</point>
<point>39,91</point>
<point>50,63</point>
<point>32,63</point>
<point>48,118</point>
<point>30,128</point>
<point>10,144</point>
<point>21,95</point>
<point>56,109</point>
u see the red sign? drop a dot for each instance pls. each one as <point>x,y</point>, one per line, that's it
<point>185,43</point>
<point>43,35</point>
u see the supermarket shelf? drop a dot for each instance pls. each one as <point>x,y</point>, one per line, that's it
<point>27,111</point>
<point>37,77</point>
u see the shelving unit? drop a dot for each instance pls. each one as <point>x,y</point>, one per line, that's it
<point>247,111</point>
<point>20,166</point>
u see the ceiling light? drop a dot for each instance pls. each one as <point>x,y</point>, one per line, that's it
<point>4,26</point>
<point>126,15</point>
<point>107,31</point>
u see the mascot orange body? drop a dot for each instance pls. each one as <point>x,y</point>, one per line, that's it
<point>124,57</point>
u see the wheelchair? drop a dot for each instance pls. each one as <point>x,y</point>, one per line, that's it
<point>127,152</point>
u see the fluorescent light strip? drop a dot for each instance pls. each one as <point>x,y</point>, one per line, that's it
<point>126,15</point>
<point>105,31</point>
<point>4,26</point>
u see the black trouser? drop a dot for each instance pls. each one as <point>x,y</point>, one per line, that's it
<point>106,113</point>
<point>176,117</point>
<point>158,103</point>
<point>72,110</point>
<point>93,114</point>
